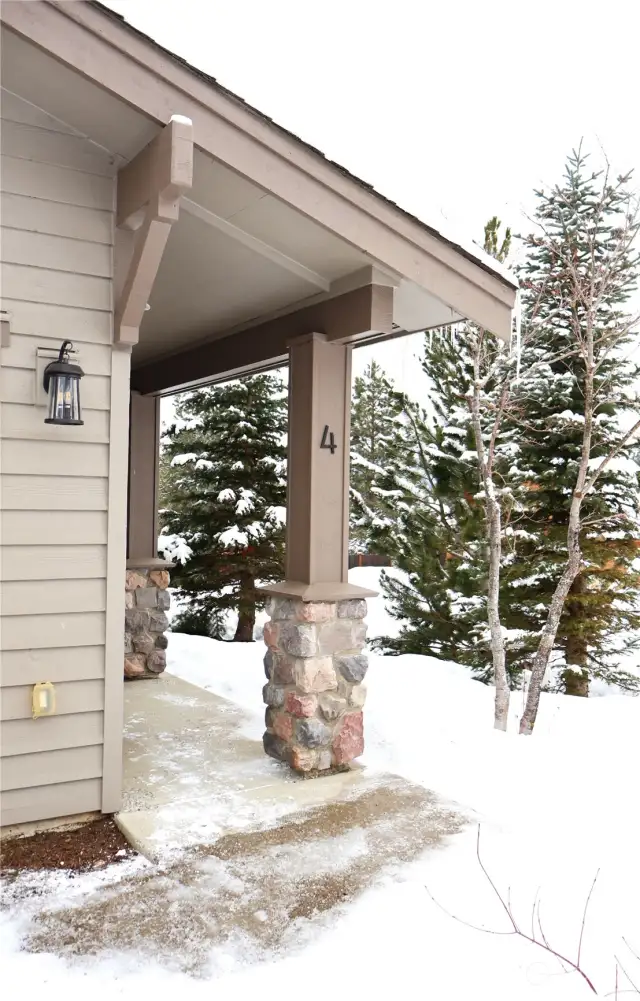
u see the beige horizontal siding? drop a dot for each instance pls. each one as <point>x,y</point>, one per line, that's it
<point>19,386</point>
<point>35,284</point>
<point>94,359</point>
<point>27,632</point>
<point>57,253</point>
<point>56,281</point>
<point>28,736</point>
<point>59,528</point>
<point>30,142</point>
<point>52,321</point>
<point>71,697</point>
<point>67,765</point>
<point>53,493</point>
<point>20,806</point>
<point>23,597</point>
<point>15,109</point>
<point>27,422</point>
<point>35,215</point>
<point>52,562</point>
<point>27,667</point>
<point>56,184</point>
<point>54,458</point>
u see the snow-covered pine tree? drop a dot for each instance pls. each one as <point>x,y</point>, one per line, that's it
<point>441,542</point>
<point>225,496</point>
<point>377,445</point>
<point>432,518</point>
<point>602,612</point>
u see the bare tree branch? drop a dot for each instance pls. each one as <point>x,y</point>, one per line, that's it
<point>542,943</point>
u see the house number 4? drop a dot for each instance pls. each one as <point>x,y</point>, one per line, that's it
<point>328,440</point>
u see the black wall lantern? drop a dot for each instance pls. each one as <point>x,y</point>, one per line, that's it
<point>62,383</point>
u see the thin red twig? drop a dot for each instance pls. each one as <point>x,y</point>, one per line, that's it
<point>515,930</point>
<point>632,951</point>
<point>584,916</point>
<point>635,986</point>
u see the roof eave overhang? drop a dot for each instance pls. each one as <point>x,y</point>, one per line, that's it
<point>134,69</point>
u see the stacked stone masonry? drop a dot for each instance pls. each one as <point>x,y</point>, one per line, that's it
<point>314,694</point>
<point>147,601</point>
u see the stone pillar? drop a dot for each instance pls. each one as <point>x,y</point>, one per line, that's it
<point>316,635</point>
<point>314,696</point>
<point>147,601</point>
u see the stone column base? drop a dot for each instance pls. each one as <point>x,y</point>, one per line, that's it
<point>145,619</point>
<point>314,696</point>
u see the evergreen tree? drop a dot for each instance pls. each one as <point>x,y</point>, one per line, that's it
<point>377,444</point>
<point>438,530</point>
<point>604,601</point>
<point>538,448</point>
<point>164,474</point>
<point>428,529</point>
<point>225,497</point>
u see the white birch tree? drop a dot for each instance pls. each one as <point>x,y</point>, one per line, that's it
<point>593,262</point>
<point>590,269</point>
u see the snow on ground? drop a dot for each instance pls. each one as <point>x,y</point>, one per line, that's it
<point>379,621</point>
<point>554,810</point>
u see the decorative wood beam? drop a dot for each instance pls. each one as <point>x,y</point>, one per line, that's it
<point>255,244</point>
<point>346,318</point>
<point>164,167</point>
<point>149,192</point>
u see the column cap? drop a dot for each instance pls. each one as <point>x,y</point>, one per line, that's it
<point>306,339</point>
<point>331,591</point>
<point>149,563</point>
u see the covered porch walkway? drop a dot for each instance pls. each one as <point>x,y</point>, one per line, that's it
<point>195,770</point>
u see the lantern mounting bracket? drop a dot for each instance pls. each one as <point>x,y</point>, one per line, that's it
<point>44,355</point>
<point>63,355</point>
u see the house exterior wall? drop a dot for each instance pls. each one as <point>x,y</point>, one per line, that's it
<point>63,490</point>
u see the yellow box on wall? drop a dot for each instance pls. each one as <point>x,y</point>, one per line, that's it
<point>43,699</point>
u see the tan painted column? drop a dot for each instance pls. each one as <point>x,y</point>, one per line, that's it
<point>144,442</point>
<point>318,471</point>
<point>315,661</point>
<point>317,548</point>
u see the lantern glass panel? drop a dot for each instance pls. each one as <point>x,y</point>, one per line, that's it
<point>64,399</point>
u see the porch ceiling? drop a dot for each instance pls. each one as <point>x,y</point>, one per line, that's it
<point>236,255</point>
<point>253,243</point>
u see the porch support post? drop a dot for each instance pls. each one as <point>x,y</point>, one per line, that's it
<point>144,446</point>
<point>318,480</point>
<point>314,661</point>
<point>147,599</point>
<point>317,547</point>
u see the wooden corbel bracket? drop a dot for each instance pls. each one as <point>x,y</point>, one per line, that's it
<point>149,192</point>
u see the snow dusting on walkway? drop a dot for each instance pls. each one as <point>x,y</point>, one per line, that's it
<point>376,912</point>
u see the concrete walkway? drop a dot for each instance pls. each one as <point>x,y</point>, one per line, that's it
<point>256,894</point>
<point>191,774</point>
<point>245,858</point>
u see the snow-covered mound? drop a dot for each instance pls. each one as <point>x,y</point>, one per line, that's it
<point>554,809</point>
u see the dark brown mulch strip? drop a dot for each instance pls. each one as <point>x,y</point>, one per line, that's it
<point>91,846</point>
